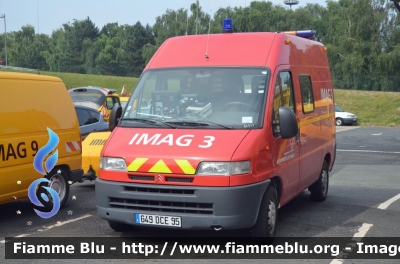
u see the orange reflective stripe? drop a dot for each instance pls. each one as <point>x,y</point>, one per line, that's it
<point>178,166</point>
<point>185,166</point>
<point>160,167</point>
<point>136,164</point>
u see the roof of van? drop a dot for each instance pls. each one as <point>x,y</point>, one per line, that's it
<point>28,76</point>
<point>235,49</point>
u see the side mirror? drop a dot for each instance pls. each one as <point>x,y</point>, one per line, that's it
<point>115,115</point>
<point>287,122</point>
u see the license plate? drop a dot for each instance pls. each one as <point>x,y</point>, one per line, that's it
<point>145,219</point>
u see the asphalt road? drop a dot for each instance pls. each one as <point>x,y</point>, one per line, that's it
<point>365,175</point>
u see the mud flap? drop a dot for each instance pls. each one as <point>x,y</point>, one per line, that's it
<point>333,162</point>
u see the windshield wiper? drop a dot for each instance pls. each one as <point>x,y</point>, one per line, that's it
<point>148,121</point>
<point>197,124</point>
<point>209,122</point>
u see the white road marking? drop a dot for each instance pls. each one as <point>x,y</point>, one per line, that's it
<point>345,128</point>
<point>386,204</point>
<point>23,235</point>
<point>369,151</point>
<point>50,227</point>
<point>362,231</point>
<point>67,222</point>
<point>376,134</point>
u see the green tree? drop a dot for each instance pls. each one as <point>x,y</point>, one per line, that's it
<point>136,37</point>
<point>26,49</point>
<point>66,48</point>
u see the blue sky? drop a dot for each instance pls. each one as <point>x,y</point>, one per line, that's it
<point>54,13</point>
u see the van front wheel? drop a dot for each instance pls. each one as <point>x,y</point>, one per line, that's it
<point>267,219</point>
<point>319,190</point>
<point>58,182</point>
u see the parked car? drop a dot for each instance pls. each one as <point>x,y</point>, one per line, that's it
<point>90,120</point>
<point>343,117</point>
<point>101,99</point>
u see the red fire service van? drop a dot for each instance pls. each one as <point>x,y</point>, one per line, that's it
<point>235,125</point>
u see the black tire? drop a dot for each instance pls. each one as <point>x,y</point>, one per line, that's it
<point>120,227</point>
<point>265,226</point>
<point>59,182</point>
<point>339,122</point>
<point>319,190</point>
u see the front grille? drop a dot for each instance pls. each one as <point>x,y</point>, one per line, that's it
<point>160,206</point>
<point>174,179</point>
<point>141,178</point>
<point>157,190</point>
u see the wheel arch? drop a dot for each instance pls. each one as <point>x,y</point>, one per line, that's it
<point>328,159</point>
<point>66,168</point>
<point>277,182</point>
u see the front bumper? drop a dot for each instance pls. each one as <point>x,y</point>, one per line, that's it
<point>198,207</point>
<point>350,120</point>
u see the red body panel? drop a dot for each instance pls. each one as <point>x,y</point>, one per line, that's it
<point>132,144</point>
<point>191,145</point>
<point>241,49</point>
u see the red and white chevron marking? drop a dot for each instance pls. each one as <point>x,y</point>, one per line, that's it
<point>72,146</point>
<point>104,112</point>
<point>105,89</point>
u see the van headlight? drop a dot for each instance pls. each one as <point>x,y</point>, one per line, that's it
<point>223,168</point>
<point>113,164</point>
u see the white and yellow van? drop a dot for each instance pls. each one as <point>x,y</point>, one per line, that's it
<point>32,105</point>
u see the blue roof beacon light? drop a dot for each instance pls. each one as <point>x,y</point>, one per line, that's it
<point>227,26</point>
<point>306,34</point>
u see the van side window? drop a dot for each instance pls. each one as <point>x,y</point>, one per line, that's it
<point>287,90</point>
<point>307,95</point>
<point>284,95</point>
<point>277,98</point>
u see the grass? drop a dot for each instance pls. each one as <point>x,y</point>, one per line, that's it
<point>372,108</point>
<point>76,80</point>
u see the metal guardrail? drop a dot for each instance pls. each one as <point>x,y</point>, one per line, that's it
<point>16,68</point>
<point>367,82</point>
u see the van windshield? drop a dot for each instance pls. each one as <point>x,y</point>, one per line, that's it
<point>208,97</point>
